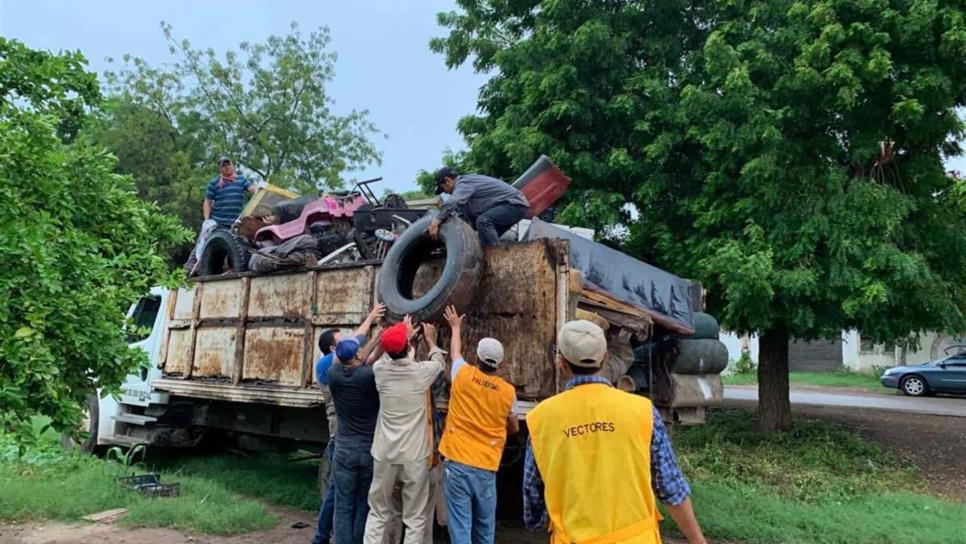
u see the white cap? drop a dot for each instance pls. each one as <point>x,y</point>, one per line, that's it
<point>490,352</point>
<point>582,343</point>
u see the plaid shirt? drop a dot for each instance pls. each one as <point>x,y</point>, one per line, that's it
<point>668,481</point>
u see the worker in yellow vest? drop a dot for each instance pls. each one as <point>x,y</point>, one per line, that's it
<point>597,456</point>
<point>479,419</point>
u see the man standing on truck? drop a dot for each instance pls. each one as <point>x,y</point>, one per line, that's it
<point>480,417</point>
<point>402,446</point>
<point>490,204</point>
<point>224,200</point>
<point>598,456</point>
<point>327,342</point>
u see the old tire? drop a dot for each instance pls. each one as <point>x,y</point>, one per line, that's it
<point>702,356</point>
<point>223,251</point>
<point>705,327</point>
<point>458,279</point>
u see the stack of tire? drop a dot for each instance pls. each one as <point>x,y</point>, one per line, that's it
<point>702,352</point>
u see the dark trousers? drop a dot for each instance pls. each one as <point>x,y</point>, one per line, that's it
<point>323,532</point>
<point>351,477</point>
<point>492,223</point>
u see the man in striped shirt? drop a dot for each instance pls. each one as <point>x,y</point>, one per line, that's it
<point>225,196</point>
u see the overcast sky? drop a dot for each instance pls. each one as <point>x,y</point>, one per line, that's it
<point>384,65</point>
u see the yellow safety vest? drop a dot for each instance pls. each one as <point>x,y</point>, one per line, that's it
<point>476,423</point>
<point>592,445</point>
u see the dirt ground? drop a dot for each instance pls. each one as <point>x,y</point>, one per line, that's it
<point>935,444</point>
<point>283,533</point>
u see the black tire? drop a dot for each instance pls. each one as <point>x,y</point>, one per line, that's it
<point>914,385</point>
<point>457,283</point>
<point>703,356</point>
<point>89,444</point>
<point>224,251</point>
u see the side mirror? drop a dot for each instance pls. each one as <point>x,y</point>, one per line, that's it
<point>942,365</point>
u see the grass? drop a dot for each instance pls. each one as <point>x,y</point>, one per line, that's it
<point>814,484</point>
<point>842,378</point>
<point>48,483</point>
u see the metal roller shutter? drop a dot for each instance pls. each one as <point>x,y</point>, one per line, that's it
<point>815,356</point>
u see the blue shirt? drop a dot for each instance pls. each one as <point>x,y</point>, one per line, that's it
<point>325,362</point>
<point>228,201</point>
<point>668,481</point>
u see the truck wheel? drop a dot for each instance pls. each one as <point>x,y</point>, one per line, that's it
<point>458,280</point>
<point>223,251</point>
<point>89,426</point>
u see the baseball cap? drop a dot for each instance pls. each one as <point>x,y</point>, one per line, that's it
<point>395,338</point>
<point>347,349</point>
<point>441,174</point>
<point>223,159</point>
<point>489,351</point>
<point>582,343</point>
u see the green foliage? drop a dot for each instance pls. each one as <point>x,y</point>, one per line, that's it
<point>272,478</point>
<point>49,483</point>
<point>744,365</point>
<point>837,488</point>
<point>788,154</point>
<point>77,244</point>
<point>840,379</point>
<point>266,106</point>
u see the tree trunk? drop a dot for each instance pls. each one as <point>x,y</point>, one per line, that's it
<point>774,407</point>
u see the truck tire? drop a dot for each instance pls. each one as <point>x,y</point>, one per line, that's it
<point>458,280</point>
<point>702,356</point>
<point>223,245</point>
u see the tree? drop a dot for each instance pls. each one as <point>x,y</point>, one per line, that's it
<point>786,153</point>
<point>77,244</point>
<point>268,107</point>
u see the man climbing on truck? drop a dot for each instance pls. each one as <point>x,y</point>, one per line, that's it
<point>489,204</point>
<point>480,417</point>
<point>598,456</point>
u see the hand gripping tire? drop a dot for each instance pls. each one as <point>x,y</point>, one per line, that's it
<point>456,284</point>
<point>223,244</point>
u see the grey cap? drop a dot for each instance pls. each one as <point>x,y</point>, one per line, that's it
<point>223,159</point>
<point>490,352</point>
<point>582,343</point>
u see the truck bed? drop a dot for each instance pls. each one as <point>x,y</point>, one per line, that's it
<point>251,338</point>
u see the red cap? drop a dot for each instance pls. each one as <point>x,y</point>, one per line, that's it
<point>395,338</point>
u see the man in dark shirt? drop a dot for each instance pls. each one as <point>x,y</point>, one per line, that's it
<point>353,388</point>
<point>490,204</point>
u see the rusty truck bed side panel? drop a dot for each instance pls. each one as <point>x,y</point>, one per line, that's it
<point>255,338</point>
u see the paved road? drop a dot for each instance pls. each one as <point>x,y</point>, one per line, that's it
<point>941,406</point>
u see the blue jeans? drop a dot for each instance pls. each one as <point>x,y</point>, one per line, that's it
<point>323,533</point>
<point>351,477</point>
<point>470,503</point>
<point>492,223</point>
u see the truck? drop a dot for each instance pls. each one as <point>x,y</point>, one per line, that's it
<point>232,355</point>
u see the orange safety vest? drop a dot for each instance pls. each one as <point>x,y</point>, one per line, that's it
<point>592,445</point>
<point>476,423</point>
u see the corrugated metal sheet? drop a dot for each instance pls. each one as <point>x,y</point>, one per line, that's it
<point>815,356</point>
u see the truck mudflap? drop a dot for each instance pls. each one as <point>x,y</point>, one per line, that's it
<point>665,297</point>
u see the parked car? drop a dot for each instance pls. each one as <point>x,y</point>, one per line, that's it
<point>946,375</point>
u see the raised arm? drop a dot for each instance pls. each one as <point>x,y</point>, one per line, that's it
<point>455,321</point>
<point>377,312</point>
